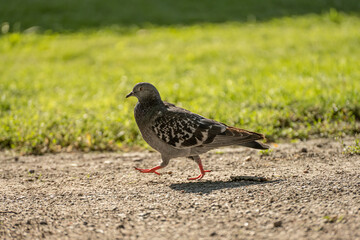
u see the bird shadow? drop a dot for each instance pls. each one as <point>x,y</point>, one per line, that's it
<point>209,186</point>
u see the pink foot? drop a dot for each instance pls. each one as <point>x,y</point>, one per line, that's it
<point>200,176</point>
<point>151,170</point>
<point>202,171</point>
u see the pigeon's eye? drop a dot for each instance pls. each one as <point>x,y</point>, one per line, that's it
<point>140,88</point>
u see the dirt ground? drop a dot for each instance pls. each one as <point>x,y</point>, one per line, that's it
<point>312,192</point>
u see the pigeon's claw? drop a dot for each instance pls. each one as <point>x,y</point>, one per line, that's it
<point>151,170</point>
<point>200,176</point>
<point>202,171</point>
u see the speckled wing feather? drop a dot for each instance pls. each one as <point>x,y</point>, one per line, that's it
<point>183,129</point>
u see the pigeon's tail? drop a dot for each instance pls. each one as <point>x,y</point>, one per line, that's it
<point>255,144</point>
<point>249,140</point>
<point>244,134</point>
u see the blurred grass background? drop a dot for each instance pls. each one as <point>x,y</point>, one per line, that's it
<point>287,68</point>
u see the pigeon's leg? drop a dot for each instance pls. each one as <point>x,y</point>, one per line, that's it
<point>202,171</point>
<point>163,164</point>
<point>150,170</point>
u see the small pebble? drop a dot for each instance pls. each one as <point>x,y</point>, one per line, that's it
<point>278,224</point>
<point>247,159</point>
<point>121,226</point>
<point>304,150</point>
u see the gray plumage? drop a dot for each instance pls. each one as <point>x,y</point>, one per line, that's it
<point>176,132</point>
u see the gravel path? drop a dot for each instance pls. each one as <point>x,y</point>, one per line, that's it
<point>312,192</point>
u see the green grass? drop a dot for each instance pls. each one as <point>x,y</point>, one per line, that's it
<point>353,149</point>
<point>70,16</point>
<point>287,77</point>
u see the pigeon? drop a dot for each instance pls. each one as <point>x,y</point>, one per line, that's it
<point>176,132</point>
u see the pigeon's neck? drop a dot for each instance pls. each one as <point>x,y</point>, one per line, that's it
<point>150,102</point>
<point>144,110</point>
<point>147,106</point>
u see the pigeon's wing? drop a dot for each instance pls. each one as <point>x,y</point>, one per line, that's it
<point>183,129</point>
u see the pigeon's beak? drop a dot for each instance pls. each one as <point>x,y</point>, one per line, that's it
<point>130,94</point>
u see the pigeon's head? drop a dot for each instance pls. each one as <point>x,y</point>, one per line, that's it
<point>145,92</point>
